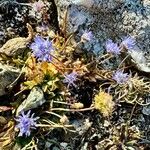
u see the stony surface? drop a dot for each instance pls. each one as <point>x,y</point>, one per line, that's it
<point>146,109</point>
<point>16,46</point>
<point>7,75</point>
<point>112,19</point>
<point>34,99</point>
<point>15,14</point>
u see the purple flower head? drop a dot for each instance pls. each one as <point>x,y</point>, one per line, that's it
<point>129,42</point>
<point>26,123</point>
<point>112,47</point>
<point>87,35</point>
<point>120,77</point>
<point>42,48</point>
<point>70,78</point>
<point>37,6</point>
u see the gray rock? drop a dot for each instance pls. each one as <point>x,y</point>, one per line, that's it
<point>16,46</point>
<point>14,15</point>
<point>112,19</point>
<point>34,99</point>
<point>7,75</point>
<point>146,109</point>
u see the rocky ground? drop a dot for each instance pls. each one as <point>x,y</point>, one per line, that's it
<point>81,67</point>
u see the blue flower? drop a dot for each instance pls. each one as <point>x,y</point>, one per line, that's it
<point>129,42</point>
<point>26,123</point>
<point>112,47</point>
<point>87,35</point>
<point>120,77</point>
<point>42,48</point>
<point>70,78</point>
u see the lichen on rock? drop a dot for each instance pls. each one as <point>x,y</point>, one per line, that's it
<point>112,19</point>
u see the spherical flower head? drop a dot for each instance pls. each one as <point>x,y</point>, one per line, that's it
<point>129,42</point>
<point>42,49</point>
<point>87,36</point>
<point>70,78</point>
<point>26,122</point>
<point>112,47</point>
<point>37,6</point>
<point>120,77</point>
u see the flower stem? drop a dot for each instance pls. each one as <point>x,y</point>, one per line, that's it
<point>72,110</point>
